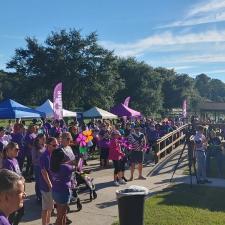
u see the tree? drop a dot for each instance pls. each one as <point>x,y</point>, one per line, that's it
<point>87,70</point>
<point>142,83</point>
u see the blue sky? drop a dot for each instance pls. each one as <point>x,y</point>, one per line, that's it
<point>187,35</point>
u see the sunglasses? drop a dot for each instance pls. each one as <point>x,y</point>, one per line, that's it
<point>53,145</point>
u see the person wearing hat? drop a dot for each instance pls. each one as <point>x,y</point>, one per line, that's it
<point>137,141</point>
<point>200,154</point>
<point>116,155</point>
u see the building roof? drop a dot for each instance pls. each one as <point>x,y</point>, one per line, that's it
<point>212,106</point>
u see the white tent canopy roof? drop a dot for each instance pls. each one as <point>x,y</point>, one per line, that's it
<point>47,108</point>
<point>96,112</point>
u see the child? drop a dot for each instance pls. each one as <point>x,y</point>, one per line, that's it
<point>116,155</point>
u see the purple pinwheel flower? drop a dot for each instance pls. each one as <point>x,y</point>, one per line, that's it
<point>81,139</point>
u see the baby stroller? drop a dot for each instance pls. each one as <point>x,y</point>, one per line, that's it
<point>82,178</point>
<point>75,198</point>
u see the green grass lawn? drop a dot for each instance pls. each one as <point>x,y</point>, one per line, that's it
<point>182,205</point>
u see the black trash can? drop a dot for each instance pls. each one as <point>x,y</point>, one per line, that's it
<point>131,205</point>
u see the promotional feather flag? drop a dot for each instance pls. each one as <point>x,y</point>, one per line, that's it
<point>57,102</point>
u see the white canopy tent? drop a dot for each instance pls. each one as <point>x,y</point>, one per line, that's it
<point>96,112</point>
<point>47,108</point>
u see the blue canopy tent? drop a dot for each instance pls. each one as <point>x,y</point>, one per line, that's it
<point>10,109</point>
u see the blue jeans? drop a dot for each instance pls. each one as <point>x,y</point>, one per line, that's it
<point>201,165</point>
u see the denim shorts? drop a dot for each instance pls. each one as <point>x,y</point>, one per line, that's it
<point>62,197</point>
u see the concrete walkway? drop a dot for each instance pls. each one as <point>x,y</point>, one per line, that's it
<point>103,210</point>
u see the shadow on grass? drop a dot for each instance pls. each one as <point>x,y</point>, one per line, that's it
<point>201,197</point>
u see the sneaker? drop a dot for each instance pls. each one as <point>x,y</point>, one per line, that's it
<point>68,221</point>
<point>141,178</point>
<point>124,178</point>
<point>116,183</point>
<point>122,181</point>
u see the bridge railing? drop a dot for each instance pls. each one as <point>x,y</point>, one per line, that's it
<point>170,141</point>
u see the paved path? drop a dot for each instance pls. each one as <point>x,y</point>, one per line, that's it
<point>103,210</point>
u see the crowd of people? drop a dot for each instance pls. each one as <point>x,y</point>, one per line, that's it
<point>48,153</point>
<point>208,145</point>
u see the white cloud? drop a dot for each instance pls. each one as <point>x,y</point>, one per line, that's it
<point>213,58</point>
<point>165,39</point>
<point>205,12</point>
<point>216,71</point>
<point>177,68</point>
<point>206,7</point>
<point>218,17</point>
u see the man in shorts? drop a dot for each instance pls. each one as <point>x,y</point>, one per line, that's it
<point>45,181</point>
<point>137,140</point>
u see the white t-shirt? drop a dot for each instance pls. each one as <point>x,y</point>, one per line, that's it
<point>200,141</point>
<point>69,153</point>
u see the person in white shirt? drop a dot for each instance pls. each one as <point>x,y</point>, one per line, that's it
<point>200,154</point>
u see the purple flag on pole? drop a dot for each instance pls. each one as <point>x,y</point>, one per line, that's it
<point>185,108</point>
<point>126,102</point>
<point>57,102</point>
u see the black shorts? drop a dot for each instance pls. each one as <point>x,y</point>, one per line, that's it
<point>104,153</point>
<point>136,157</point>
<point>118,166</point>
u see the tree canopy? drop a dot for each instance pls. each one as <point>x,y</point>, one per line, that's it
<point>94,76</point>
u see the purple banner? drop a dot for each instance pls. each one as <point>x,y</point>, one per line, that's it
<point>126,102</point>
<point>185,108</point>
<point>57,102</point>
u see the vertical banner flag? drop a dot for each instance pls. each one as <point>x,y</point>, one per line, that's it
<point>57,102</point>
<point>185,108</point>
<point>126,102</point>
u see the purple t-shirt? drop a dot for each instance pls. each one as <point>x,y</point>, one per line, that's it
<point>11,164</point>
<point>28,142</point>
<point>61,181</point>
<point>104,139</point>
<point>18,138</point>
<point>45,164</point>
<point>3,219</point>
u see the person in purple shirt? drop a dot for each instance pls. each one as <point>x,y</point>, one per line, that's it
<point>11,194</point>
<point>104,140</point>
<point>28,144</point>
<point>17,137</point>
<point>61,183</point>
<point>10,153</point>
<point>45,182</point>
<point>56,129</point>
<point>37,150</point>
<point>10,162</point>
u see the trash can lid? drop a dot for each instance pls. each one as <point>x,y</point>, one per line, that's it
<point>132,190</point>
